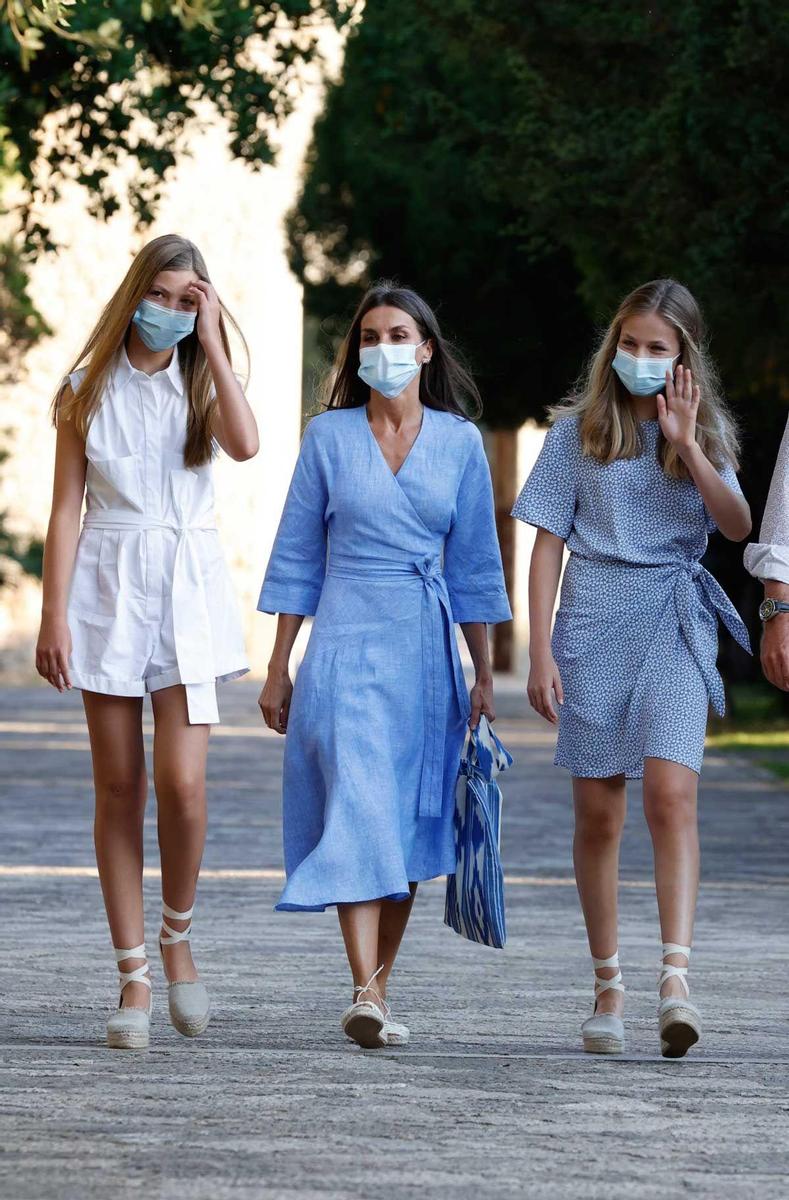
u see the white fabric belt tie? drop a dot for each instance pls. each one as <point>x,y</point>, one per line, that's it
<point>191,622</point>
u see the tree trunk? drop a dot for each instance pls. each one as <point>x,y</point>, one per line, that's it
<point>505,484</point>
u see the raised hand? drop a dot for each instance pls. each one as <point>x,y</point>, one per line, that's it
<point>678,408</point>
<point>208,311</point>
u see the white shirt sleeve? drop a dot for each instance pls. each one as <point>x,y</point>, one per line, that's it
<point>769,557</point>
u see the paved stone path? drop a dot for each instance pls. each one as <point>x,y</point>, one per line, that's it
<point>492,1099</point>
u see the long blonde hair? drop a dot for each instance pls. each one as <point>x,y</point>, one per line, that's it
<point>608,426</point>
<point>170,252</point>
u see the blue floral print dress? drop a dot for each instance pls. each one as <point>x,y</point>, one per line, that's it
<point>387,563</point>
<point>636,634</point>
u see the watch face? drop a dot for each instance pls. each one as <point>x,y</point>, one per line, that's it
<point>767,609</point>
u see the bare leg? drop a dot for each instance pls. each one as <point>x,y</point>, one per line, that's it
<point>115,729</point>
<point>179,760</point>
<point>360,925</point>
<point>394,918</point>
<point>670,807</point>
<point>600,807</point>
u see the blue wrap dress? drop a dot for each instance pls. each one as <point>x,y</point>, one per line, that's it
<point>386,563</point>
<point>636,634</point>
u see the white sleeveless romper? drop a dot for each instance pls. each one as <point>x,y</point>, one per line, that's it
<point>151,602</point>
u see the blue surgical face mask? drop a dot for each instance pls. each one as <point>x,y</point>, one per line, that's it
<point>642,376</point>
<point>162,328</point>
<point>389,369</point>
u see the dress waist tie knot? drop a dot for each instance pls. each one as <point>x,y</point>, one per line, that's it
<point>191,622</point>
<point>436,626</point>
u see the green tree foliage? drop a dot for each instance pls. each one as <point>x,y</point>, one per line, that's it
<point>399,183</point>
<point>598,143</point>
<point>121,80</point>
<point>28,552</point>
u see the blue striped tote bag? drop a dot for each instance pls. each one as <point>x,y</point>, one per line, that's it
<point>474,905</point>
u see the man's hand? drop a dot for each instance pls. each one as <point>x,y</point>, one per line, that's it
<point>775,651</point>
<point>775,638</point>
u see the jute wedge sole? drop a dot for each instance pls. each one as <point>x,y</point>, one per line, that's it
<point>603,1045</point>
<point>680,1028</point>
<point>679,1021</point>
<point>128,1035</point>
<point>193,1030</point>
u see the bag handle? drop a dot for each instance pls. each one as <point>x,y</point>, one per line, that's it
<point>483,748</point>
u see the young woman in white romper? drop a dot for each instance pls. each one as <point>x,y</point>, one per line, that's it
<point>141,601</point>
<point>637,469</point>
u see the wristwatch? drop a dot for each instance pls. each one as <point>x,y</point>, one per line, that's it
<point>769,608</point>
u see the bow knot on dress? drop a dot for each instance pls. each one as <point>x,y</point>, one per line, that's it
<point>636,634</point>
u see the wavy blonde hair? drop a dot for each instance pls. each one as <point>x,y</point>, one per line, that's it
<point>170,252</point>
<point>608,426</point>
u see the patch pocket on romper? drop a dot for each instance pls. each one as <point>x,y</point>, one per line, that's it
<point>124,474</point>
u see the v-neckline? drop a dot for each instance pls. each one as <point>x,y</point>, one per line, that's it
<point>395,474</point>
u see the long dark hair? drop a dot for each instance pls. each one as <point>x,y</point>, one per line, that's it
<point>445,382</point>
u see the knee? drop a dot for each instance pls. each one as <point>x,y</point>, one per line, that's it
<point>121,797</point>
<point>669,810</point>
<point>180,798</point>
<point>598,823</point>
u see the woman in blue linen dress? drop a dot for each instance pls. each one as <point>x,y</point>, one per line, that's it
<point>632,482</point>
<point>394,478</point>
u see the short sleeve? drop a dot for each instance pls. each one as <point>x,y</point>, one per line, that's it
<point>729,477</point>
<point>472,558</point>
<point>297,567</point>
<point>549,496</point>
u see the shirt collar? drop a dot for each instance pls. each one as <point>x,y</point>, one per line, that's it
<point>172,373</point>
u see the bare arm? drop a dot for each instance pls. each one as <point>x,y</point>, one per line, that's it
<point>544,572</point>
<point>677,411</point>
<point>235,427</point>
<point>730,512</point>
<point>60,548</point>
<point>274,700</point>
<point>476,635</point>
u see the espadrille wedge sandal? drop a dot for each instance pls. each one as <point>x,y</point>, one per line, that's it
<point>128,1028</point>
<point>679,1021</point>
<point>188,1000</point>
<point>604,1033</point>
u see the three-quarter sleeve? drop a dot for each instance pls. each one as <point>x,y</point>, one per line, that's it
<point>297,567</point>
<point>472,558</point>
<point>548,498</point>
<point>769,557</point>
